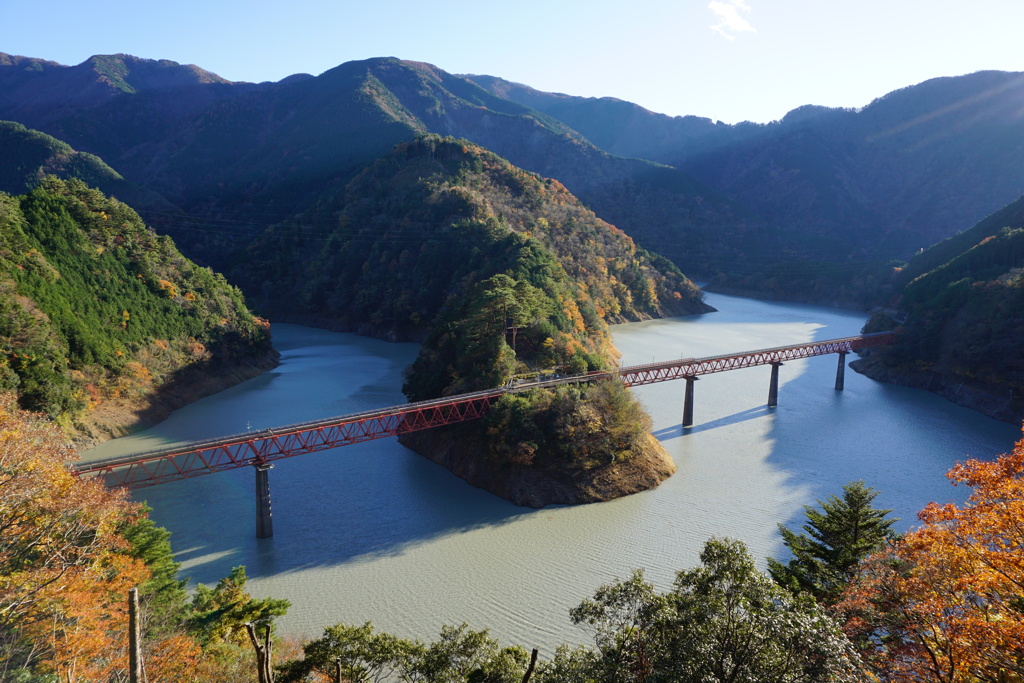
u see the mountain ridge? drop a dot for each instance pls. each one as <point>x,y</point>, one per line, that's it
<point>837,168</point>
<point>817,206</point>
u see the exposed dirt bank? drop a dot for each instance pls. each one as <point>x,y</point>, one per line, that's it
<point>455,449</point>
<point>118,417</point>
<point>997,403</point>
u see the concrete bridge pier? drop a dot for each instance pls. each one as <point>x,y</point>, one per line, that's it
<point>841,371</point>
<point>773,387</point>
<point>688,401</point>
<point>264,520</point>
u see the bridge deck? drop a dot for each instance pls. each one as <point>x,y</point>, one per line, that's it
<point>648,373</point>
<point>193,459</point>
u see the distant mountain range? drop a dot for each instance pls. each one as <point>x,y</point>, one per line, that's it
<point>907,170</point>
<point>314,195</point>
<point>814,206</point>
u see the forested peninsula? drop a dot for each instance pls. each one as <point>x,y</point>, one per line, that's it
<point>504,275</point>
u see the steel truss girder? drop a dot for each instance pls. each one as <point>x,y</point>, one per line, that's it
<point>638,375</point>
<point>258,448</point>
<point>261,447</point>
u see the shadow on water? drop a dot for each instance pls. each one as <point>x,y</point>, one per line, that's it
<point>347,505</point>
<point>376,532</point>
<point>353,504</point>
<point>742,416</point>
<point>900,441</point>
<point>364,509</point>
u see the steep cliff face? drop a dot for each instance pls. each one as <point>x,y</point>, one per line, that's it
<point>460,450</point>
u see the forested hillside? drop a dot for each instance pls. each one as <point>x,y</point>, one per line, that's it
<point>824,205</point>
<point>820,205</point>
<point>241,156</point>
<point>961,305</point>
<point>99,314</point>
<point>29,156</point>
<point>431,219</point>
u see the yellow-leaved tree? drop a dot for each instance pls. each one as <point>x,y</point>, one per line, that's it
<point>65,567</point>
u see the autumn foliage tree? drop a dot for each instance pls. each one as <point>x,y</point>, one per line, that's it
<point>70,550</point>
<point>64,574</point>
<point>946,602</point>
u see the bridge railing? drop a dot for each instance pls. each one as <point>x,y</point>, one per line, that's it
<point>265,445</point>
<point>262,446</point>
<point>649,373</point>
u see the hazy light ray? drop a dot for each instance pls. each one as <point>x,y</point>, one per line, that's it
<point>949,108</point>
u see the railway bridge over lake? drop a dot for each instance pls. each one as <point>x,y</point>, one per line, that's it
<point>260,448</point>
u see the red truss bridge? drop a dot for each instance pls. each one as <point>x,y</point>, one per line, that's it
<point>138,470</point>
<point>637,375</point>
<point>260,448</point>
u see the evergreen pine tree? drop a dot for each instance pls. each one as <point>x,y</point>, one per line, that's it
<point>164,598</point>
<point>837,537</point>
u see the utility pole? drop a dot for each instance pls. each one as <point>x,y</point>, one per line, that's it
<point>533,663</point>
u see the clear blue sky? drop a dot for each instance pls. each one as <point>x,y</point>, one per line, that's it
<point>729,60</point>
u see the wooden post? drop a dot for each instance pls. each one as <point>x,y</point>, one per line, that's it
<point>688,402</point>
<point>841,371</point>
<point>264,518</point>
<point>136,672</point>
<point>263,651</point>
<point>773,387</point>
<point>533,663</point>
<point>337,669</point>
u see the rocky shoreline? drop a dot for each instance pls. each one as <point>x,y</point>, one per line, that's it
<point>997,404</point>
<point>455,449</point>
